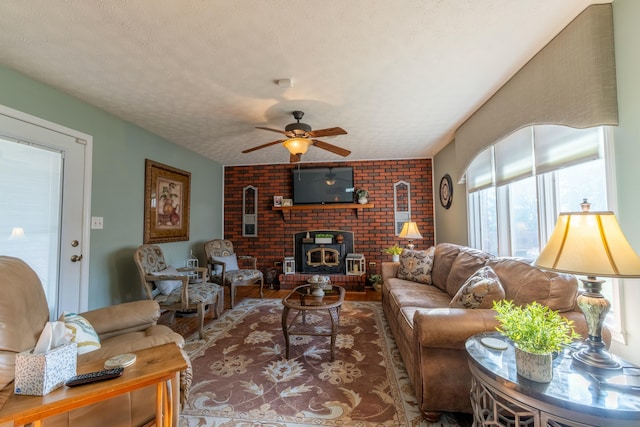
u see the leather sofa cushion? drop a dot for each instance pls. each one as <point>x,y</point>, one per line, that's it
<point>404,293</point>
<point>524,283</point>
<point>443,257</point>
<point>466,263</point>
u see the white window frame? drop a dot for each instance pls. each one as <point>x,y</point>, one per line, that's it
<point>547,216</point>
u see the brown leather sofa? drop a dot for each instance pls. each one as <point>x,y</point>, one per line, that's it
<point>122,328</point>
<point>431,336</point>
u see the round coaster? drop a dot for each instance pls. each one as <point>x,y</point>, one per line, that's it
<point>121,360</point>
<point>494,343</point>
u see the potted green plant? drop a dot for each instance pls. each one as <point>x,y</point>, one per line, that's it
<point>361,195</point>
<point>323,238</point>
<point>394,251</point>
<point>376,281</point>
<point>537,332</point>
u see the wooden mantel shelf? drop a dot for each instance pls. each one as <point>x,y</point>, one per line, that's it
<point>286,210</point>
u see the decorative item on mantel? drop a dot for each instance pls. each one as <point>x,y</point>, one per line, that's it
<point>289,266</point>
<point>394,251</point>
<point>537,332</point>
<point>323,238</point>
<point>355,265</point>
<point>591,244</point>
<point>361,195</point>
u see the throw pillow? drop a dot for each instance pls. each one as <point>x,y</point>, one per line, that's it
<point>167,286</point>
<point>230,263</point>
<point>82,332</point>
<point>416,265</point>
<point>479,291</point>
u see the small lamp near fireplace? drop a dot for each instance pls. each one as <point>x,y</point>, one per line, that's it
<point>591,244</point>
<point>410,232</point>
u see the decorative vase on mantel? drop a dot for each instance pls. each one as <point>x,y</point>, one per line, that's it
<point>535,367</point>
<point>363,200</point>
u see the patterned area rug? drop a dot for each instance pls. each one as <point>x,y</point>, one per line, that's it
<point>241,377</point>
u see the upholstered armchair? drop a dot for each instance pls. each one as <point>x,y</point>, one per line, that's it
<point>172,290</point>
<point>224,269</point>
<point>121,328</point>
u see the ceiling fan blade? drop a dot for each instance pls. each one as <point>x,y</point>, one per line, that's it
<point>330,147</point>
<point>268,144</point>
<point>294,158</point>
<point>272,129</point>
<point>327,132</point>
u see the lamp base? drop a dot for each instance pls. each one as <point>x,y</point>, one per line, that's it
<point>594,356</point>
<point>596,360</point>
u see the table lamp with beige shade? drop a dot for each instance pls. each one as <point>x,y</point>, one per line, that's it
<point>410,232</point>
<point>591,244</point>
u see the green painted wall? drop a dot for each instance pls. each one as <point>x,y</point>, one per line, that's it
<point>627,152</point>
<point>119,152</point>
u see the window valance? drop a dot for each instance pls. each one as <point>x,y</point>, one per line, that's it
<point>570,82</point>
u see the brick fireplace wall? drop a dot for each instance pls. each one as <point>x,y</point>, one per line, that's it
<point>373,228</point>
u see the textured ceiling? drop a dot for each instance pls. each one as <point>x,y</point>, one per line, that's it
<point>398,76</point>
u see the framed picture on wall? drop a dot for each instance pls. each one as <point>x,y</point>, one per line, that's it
<point>166,203</point>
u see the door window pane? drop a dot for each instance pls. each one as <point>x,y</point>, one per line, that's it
<point>30,180</point>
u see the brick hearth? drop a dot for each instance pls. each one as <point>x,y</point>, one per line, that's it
<point>350,283</point>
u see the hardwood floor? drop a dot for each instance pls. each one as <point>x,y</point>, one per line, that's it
<point>187,325</point>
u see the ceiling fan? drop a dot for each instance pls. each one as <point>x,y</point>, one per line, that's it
<point>300,136</point>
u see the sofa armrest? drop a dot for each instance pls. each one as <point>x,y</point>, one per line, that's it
<point>433,327</point>
<point>123,318</point>
<point>389,269</point>
<point>451,327</point>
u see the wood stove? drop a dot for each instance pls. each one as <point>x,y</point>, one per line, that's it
<point>324,258</point>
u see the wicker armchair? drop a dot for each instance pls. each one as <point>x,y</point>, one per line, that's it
<point>224,270</point>
<point>183,297</point>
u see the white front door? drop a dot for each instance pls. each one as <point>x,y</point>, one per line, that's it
<point>44,220</point>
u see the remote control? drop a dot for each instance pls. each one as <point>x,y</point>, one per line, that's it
<point>92,377</point>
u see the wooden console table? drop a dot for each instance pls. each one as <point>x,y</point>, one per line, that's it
<point>156,365</point>
<point>500,397</point>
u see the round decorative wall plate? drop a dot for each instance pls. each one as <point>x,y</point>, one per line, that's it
<point>446,191</point>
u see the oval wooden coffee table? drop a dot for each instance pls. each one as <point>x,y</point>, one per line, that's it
<point>302,302</point>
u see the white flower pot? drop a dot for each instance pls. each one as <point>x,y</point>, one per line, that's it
<point>395,258</point>
<point>362,200</point>
<point>535,367</point>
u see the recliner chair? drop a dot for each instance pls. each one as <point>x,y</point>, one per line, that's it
<point>122,328</point>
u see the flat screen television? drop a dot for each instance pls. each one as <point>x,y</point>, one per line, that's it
<point>322,185</point>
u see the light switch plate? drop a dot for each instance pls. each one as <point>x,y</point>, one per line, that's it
<point>97,223</point>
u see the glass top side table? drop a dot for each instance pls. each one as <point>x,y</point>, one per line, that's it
<point>500,397</point>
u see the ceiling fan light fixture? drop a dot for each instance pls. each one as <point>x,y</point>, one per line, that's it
<point>297,145</point>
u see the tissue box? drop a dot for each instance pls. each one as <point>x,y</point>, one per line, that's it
<point>39,374</point>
